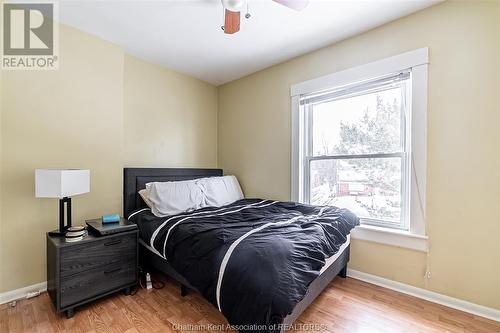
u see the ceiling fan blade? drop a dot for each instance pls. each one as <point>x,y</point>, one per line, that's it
<point>231,22</point>
<point>297,5</point>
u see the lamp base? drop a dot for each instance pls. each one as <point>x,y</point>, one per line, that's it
<point>57,233</point>
<point>63,227</point>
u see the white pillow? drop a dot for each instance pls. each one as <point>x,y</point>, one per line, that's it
<point>171,198</point>
<point>220,191</point>
<point>145,196</point>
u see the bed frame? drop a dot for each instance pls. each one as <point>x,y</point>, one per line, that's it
<point>135,179</point>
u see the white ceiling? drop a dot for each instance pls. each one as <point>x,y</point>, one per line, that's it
<point>186,35</point>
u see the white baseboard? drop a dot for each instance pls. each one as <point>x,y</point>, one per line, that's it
<point>16,294</point>
<point>427,295</point>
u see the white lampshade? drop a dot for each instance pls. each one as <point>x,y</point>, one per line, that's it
<point>50,183</point>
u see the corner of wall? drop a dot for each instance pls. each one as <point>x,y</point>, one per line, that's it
<point>217,109</point>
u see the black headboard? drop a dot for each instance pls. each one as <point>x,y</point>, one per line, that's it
<point>135,179</point>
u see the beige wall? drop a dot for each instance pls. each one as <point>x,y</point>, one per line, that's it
<point>95,112</point>
<point>170,119</point>
<point>69,118</point>
<point>463,142</point>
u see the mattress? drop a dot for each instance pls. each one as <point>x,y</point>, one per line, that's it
<point>147,228</point>
<point>328,261</point>
<point>331,260</point>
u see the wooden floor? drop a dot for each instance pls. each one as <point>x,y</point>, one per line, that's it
<point>347,305</point>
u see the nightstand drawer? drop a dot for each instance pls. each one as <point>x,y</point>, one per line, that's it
<point>96,281</point>
<point>100,253</point>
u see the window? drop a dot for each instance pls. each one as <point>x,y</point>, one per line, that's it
<point>359,142</point>
<point>357,149</point>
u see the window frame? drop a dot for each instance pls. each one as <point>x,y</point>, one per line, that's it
<point>417,63</point>
<point>404,155</point>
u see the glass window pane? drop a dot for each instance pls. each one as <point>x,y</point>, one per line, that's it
<point>369,187</point>
<point>365,124</point>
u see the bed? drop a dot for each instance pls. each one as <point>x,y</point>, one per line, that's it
<point>135,179</point>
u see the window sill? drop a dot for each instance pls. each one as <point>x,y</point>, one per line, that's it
<point>398,238</point>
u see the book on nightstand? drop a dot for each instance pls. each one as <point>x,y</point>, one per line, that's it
<point>98,228</point>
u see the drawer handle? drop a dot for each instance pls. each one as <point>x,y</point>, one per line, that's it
<point>112,270</point>
<point>118,241</point>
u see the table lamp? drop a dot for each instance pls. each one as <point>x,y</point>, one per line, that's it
<point>62,184</point>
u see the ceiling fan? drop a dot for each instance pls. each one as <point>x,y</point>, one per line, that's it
<point>232,9</point>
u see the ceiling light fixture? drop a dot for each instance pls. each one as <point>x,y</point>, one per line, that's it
<point>233,5</point>
<point>232,9</point>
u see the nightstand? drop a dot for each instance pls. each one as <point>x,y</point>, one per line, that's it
<point>83,271</point>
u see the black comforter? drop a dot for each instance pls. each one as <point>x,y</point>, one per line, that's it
<point>253,259</point>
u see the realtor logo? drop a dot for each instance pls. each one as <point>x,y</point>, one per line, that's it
<point>29,36</point>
